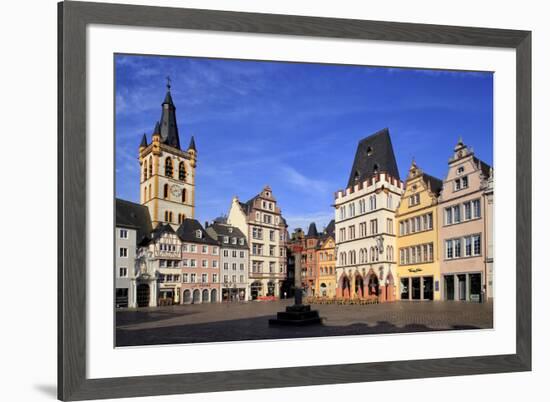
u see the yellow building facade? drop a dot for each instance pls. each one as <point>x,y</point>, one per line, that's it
<point>418,248</point>
<point>325,284</point>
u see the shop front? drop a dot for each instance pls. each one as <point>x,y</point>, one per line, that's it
<point>417,287</point>
<point>234,294</point>
<point>255,290</point>
<point>463,287</point>
<point>168,296</point>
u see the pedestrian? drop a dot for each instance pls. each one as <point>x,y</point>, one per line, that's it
<point>285,294</point>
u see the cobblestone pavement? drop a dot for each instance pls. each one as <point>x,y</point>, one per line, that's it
<point>249,321</point>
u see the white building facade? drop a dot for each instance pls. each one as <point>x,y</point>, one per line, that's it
<point>365,222</point>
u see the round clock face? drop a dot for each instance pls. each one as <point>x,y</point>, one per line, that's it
<point>175,190</point>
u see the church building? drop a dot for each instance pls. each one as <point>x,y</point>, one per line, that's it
<point>167,180</point>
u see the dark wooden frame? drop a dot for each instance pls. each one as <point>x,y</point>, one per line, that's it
<point>73,17</point>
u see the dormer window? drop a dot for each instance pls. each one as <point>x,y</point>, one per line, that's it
<point>230,230</point>
<point>375,168</point>
<point>233,240</point>
<point>198,234</point>
<point>369,151</point>
<point>241,241</point>
<point>226,239</point>
<point>460,170</point>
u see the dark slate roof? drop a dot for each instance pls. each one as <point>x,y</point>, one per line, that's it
<point>161,229</point>
<point>246,206</point>
<point>312,231</point>
<point>381,158</point>
<point>435,184</point>
<point>168,124</point>
<point>218,231</point>
<point>168,98</point>
<point>220,219</point>
<point>187,232</point>
<point>329,230</point>
<point>485,168</point>
<point>143,141</point>
<point>156,130</point>
<point>133,216</point>
<point>192,145</point>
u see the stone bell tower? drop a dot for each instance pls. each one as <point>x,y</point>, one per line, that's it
<point>167,179</point>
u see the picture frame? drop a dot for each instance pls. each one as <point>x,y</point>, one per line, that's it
<point>73,19</point>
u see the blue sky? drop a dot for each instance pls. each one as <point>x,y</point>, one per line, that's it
<point>294,126</point>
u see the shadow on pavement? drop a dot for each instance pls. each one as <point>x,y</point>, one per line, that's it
<point>257,328</point>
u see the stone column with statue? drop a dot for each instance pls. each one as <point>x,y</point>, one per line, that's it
<point>298,314</point>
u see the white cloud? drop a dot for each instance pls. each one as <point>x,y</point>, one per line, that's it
<point>303,182</point>
<point>321,219</point>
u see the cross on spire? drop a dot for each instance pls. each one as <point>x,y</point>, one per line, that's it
<point>168,82</point>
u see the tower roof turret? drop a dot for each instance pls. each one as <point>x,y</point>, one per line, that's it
<point>143,143</point>
<point>192,145</point>
<point>168,124</point>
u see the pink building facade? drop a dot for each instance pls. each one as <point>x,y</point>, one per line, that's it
<point>465,215</point>
<point>200,262</point>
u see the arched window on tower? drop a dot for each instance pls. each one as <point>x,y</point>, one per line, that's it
<point>150,194</point>
<point>168,168</point>
<point>145,193</point>
<point>166,190</point>
<point>145,171</point>
<point>150,168</point>
<point>181,171</point>
<point>183,195</point>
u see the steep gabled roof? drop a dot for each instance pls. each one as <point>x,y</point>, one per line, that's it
<point>188,232</point>
<point>133,216</point>
<point>162,229</point>
<point>374,155</point>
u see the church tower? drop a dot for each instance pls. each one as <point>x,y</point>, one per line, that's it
<point>167,179</point>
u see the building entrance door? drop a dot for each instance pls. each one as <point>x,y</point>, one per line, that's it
<point>143,295</point>
<point>475,287</point>
<point>415,288</point>
<point>461,287</point>
<point>404,288</point>
<point>449,287</point>
<point>196,296</point>
<point>428,284</point>
<point>255,290</point>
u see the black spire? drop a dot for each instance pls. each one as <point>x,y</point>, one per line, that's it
<point>168,124</point>
<point>192,145</point>
<point>312,231</point>
<point>374,155</point>
<point>156,130</point>
<point>143,141</point>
